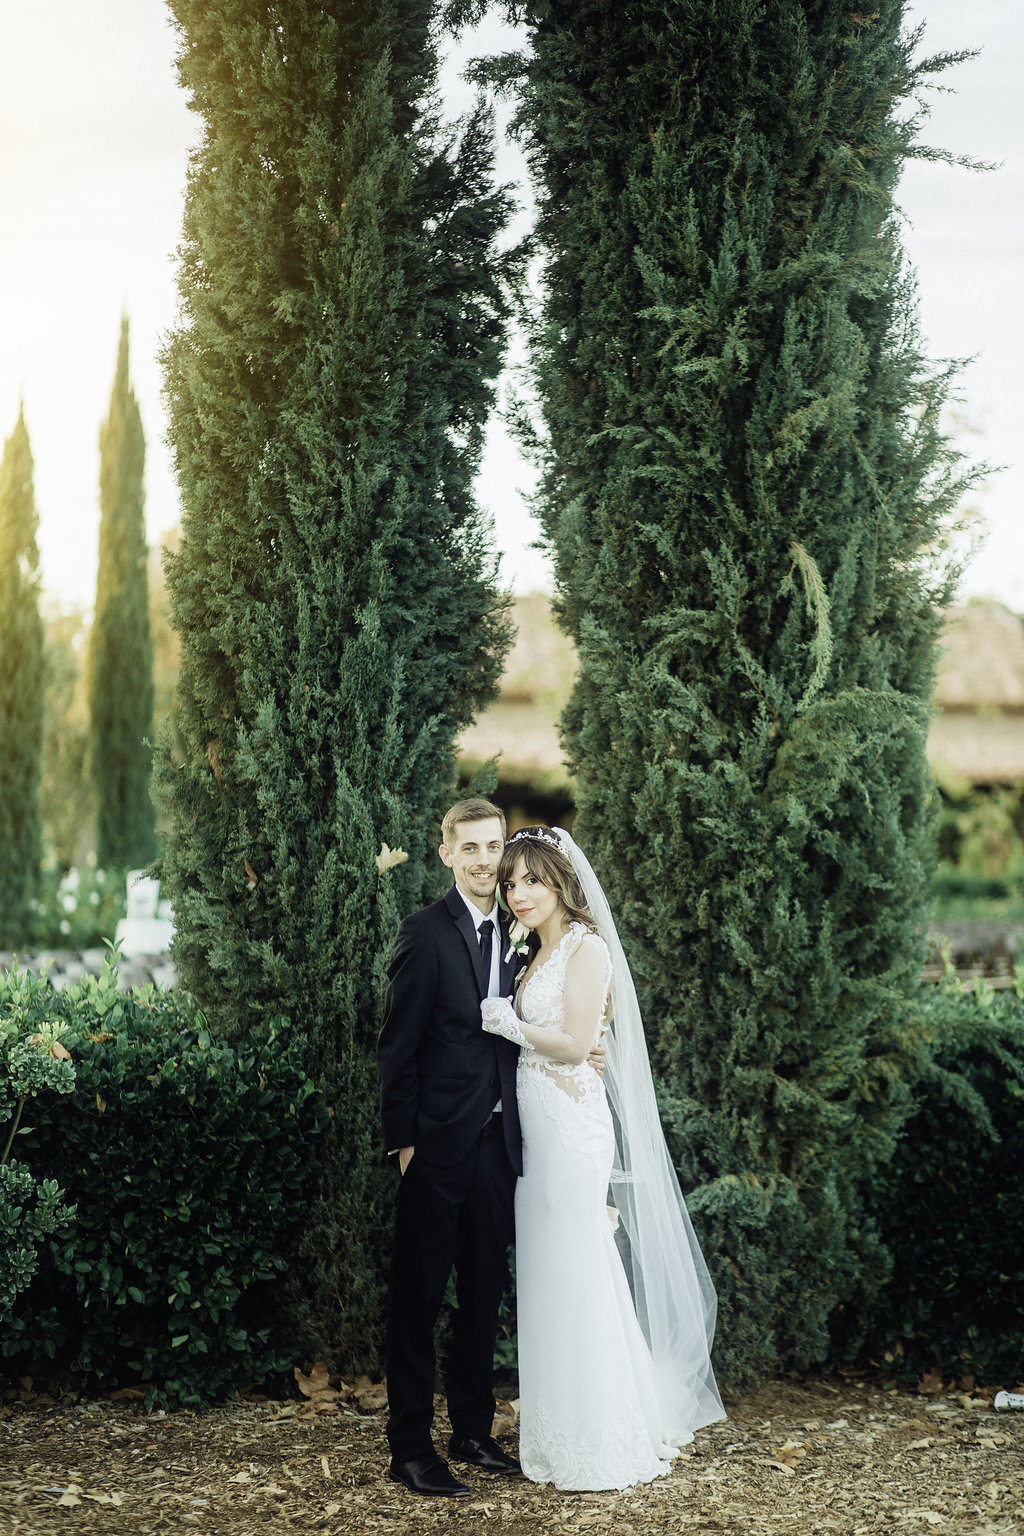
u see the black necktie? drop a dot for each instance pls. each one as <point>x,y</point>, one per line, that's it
<point>485,936</point>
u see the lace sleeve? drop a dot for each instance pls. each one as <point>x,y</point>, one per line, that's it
<point>603,960</point>
<point>588,979</point>
<point>499,1018</point>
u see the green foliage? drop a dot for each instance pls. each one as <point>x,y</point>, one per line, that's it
<point>189,1161</point>
<point>744,489</point>
<point>980,874</point>
<point>950,1206</point>
<point>33,1060</point>
<point>77,908</point>
<point>30,1210</point>
<point>343,318</point>
<point>981,831</point>
<point>21,688</point>
<point>120,648</point>
<point>65,791</point>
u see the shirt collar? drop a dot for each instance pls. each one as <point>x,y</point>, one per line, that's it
<point>479,918</point>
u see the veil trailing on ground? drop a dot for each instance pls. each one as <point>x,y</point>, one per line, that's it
<point>672,1290</point>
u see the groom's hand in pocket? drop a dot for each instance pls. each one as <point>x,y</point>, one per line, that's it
<point>404,1158</point>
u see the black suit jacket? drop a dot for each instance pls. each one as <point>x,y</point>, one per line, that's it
<point>440,1074</point>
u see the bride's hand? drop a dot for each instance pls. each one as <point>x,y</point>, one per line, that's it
<point>499,1018</point>
<point>596,1059</point>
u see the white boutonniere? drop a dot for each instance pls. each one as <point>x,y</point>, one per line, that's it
<point>517,939</point>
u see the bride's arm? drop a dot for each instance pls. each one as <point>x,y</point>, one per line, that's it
<point>586,990</point>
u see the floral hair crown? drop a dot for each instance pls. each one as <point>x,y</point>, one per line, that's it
<point>538,834</point>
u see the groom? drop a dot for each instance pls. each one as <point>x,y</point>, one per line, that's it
<point>451,1123</point>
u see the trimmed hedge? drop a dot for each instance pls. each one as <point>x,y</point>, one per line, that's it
<point>188,1161</point>
<point>950,1206</point>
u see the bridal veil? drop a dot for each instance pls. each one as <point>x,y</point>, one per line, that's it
<point>672,1290</point>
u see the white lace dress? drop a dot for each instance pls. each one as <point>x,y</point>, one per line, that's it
<point>588,1404</point>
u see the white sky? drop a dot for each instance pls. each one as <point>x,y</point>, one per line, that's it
<point>94,135</point>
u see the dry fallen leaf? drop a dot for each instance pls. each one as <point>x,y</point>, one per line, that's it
<point>790,1454</point>
<point>505,1416</point>
<point>389,857</point>
<point>317,1382</point>
<point>54,1048</point>
<point>371,1396</point>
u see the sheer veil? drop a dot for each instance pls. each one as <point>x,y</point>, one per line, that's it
<point>672,1290</point>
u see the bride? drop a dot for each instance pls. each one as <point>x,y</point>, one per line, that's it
<point>615,1305</point>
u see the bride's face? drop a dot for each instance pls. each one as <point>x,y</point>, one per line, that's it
<point>532,902</point>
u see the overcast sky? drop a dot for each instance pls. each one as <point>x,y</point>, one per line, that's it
<point>94,137</point>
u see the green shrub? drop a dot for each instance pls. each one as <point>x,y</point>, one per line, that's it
<point>76,908</point>
<point>188,1160</point>
<point>950,1206</point>
<point>33,1060</point>
<point>981,831</point>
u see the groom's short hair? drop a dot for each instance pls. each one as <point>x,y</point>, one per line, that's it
<point>475,809</point>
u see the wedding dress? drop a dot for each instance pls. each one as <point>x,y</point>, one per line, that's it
<point>592,1412</point>
<point>588,1404</point>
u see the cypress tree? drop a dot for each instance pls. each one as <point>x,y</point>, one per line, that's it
<point>66,802</point>
<point>745,491</point>
<point>21,689</point>
<point>120,648</point>
<point>343,318</point>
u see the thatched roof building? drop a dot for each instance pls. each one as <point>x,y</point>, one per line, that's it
<point>977,736</point>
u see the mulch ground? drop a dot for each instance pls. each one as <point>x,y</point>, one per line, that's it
<point>802,1457</point>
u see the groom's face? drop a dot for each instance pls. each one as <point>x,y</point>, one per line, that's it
<point>473,858</point>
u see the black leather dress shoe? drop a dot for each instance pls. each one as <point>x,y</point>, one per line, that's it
<point>428,1475</point>
<point>485,1454</point>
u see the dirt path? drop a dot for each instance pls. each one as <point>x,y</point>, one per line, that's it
<point>810,1458</point>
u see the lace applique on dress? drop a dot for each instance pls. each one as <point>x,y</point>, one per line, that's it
<point>561,1087</point>
<point>606,1461</point>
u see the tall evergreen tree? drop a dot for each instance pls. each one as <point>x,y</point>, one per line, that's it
<point>21,689</point>
<point>745,485</point>
<point>343,318</point>
<point>120,648</point>
<point>66,800</point>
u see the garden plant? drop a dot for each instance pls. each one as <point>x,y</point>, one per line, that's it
<point>745,489</point>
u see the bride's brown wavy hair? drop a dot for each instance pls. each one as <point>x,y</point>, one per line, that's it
<point>551,866</point>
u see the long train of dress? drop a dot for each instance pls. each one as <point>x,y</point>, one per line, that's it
<point>588,1401</point>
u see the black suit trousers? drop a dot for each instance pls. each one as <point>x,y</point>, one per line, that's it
<point>461,1216</point>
